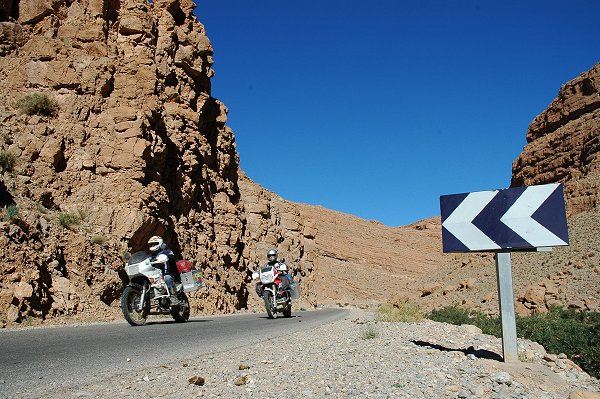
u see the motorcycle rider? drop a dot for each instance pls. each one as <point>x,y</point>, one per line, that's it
<point>282,268</point>
<point>169,270</point>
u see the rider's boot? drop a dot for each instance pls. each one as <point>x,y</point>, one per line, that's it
<point>175,300</point>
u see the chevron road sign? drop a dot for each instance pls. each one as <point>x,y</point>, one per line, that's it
<point>514,218</point>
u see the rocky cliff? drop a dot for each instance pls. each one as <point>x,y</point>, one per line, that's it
<point>563,144</point>
<point>130,144</point>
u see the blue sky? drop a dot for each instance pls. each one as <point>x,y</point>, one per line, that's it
<point>377,108</point>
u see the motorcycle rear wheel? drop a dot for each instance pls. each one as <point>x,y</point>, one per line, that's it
<point>269,303</point>
<point>287,312</point>
<point>130,303</point>
<point>181,313</point>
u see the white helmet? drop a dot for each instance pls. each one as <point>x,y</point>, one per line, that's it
<point>156,243</point>
<point>272,253</point>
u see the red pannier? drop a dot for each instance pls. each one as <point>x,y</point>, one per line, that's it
<point>184,266</point>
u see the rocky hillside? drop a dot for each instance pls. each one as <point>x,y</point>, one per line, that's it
<point>129,143</point>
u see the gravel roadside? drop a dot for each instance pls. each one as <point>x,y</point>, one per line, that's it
<point>358,357</point>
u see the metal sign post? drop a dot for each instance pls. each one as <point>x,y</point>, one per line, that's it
<point>500,221</point>
<point>507,307</point>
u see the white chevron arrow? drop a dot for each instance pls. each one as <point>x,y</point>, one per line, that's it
<point>518,217</point>
<point>459,223</point>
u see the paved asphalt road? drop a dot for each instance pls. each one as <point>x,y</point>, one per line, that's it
<point>67,356</point>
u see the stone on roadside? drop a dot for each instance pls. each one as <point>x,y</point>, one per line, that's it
<point>241,380</point>
<point>502,378</point>
<point>197,380</point>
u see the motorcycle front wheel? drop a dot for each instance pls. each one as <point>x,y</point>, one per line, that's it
<point>181,313</point>
<point>269,303</point>
<point>130,305</point>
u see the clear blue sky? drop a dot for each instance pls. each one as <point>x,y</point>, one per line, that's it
<point>377,108</point>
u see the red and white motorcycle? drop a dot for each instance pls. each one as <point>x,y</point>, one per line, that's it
<point>267,288</point>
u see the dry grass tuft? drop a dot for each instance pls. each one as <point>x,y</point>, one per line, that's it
<point>399,310</point>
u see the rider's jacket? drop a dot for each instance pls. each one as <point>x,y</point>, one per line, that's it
<point>284,273</point>
<point>167,268</point>
<point>277,265</point>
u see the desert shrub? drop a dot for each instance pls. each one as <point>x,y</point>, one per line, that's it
<point>451,315</point>
<point>98,239</point>
<point>369,332</point>
<point>40,208</point>
<point>401,310</point>
<point>68,219</point>
<point>37,104</point>
<point>459,316</point>
<point>576,334</point>
<point>11,213</point>
<point>7,160</point>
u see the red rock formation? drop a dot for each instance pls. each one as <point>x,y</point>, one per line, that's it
<point>136,147</point>
<point>564,144</point>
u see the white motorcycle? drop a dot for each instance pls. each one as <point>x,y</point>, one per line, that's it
<point>268,288</point>
<point>148,294</point>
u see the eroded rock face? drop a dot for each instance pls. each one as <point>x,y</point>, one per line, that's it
<point>564,144</point>
<point>136,147</point>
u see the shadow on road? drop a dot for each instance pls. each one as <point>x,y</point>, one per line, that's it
<point>156,322</point>
<point>281,317</point>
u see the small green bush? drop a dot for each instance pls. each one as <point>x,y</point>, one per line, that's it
<point>38,104</point>
<point>576,334</point>
<point>401,310</point>
<point>40,208</point>
<point>7,161</point>
<point>459,316</point>
<point>369,332</point>
<point>11,213</point>
<point>68,219</point>
<point>98,239</point>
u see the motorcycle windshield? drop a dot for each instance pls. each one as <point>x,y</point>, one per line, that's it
<point>267,269</point>
<point>138,257</point>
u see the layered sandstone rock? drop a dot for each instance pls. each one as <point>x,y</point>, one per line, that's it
<point>137,147</point>
<point>337,258</point>
<point>563,144</point>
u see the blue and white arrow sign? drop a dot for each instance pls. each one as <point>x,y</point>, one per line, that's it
<point>514,218</point>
